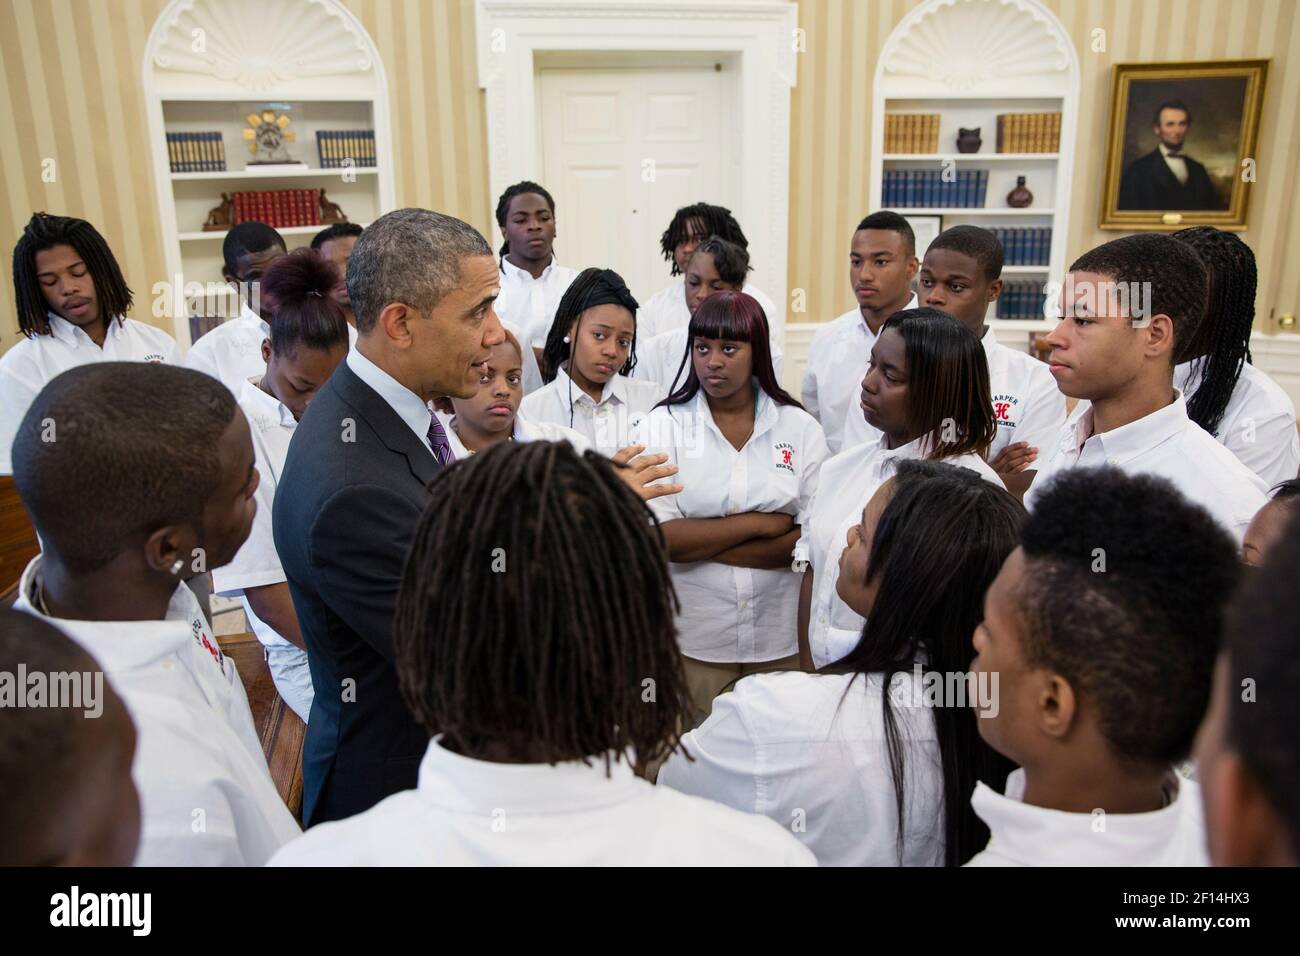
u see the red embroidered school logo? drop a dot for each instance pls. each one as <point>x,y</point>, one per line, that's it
<point>1001,411</point>
<point>784,456</point>
<point>1004,410</point>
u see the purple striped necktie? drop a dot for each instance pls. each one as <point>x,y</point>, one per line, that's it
<point>440,444</point>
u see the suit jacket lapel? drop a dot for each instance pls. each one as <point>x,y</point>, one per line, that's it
<point>387,424</point>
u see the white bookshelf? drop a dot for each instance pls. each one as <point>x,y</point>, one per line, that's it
<point>310,60</point>
<point>969,62</point>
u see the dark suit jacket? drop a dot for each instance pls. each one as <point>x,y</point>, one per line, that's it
<point>1148,183</point>
<point>344,517</point>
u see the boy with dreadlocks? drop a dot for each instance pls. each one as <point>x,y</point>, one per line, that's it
<point>72,303</point>
<point>534,742</point>
<point>1115,348</point>
<point>668,309</point>
<point>1230,398</point>
<point>532,282</point>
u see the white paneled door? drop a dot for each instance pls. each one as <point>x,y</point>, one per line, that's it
<point>622,149</point>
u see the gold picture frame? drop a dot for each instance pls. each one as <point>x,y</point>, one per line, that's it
<point>1217,117</point>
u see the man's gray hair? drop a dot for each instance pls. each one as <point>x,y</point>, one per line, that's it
<point>411,256</point>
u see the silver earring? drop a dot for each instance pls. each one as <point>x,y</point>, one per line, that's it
<point>566,340</point>
<point>176,568</point>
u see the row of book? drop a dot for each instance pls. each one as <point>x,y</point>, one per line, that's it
<point>1029,132</point>
<point>336,147</point>
<point>1025,247</point>
<point>196,152</point>
<point>911,132</point>
<point>928,188</point>
<point>280,208</point>
<point>1022,299</point>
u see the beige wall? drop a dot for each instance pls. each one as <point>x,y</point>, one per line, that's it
<point>70,90</point>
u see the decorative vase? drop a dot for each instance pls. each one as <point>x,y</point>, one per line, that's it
<point>968,140</point>
<point>1020,197</point>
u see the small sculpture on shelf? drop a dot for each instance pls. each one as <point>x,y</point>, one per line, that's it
<point>968,140</point>
<point>266,135</point>
<point>221,218</point>
<point>1020,197</point>
<point>330,212</point>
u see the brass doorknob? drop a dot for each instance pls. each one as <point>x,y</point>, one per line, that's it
<point>1286,321</point>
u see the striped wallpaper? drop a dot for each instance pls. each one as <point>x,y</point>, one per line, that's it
<point>70,91</point>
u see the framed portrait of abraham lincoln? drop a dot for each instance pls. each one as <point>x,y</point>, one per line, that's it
<point>1180,150</point>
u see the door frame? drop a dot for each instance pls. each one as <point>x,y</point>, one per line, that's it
<point>759,36</point>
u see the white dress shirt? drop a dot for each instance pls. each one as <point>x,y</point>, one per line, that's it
<point>257,564</point>
<point>607,424</point>
<point>232,352</point>
<point>667,310</point>
<point>523,431</point>
<point>1165,443</point>
<point>207,797</point>
<point>847,483</point>
<point>837,363</point>
<point>467,812</point>
<point>732,613</point>
<point>27,367</point>
<point>1177,164</point>
<point>809,751</point>
<point>408,406</point>
<point>530,304</point>
<point>1027,405</point>
<point>1258,424</point>
<point>658,359</point>
<point>1024,835</point>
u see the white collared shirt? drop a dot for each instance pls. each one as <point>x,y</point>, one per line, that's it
<point>1025,835</point>
<point>1258,424</point>
<point>257,564</point>
<point>607,424</point>
<point>530,304</point>
<point>1165,443</point>
<point>658,359</point>
<point>1027,405</point>
<point>232,352</point>
<point>732,613</point>
<point>207,797</point>
<point>667,310</point>
<point>27,367</point>
<point>812,747</point>
<point>837,363</point>
<point>848,481</point>
<point>1177,164</point>
<point>523,431</point>
<point>409,407</point>
<point>467,812</point>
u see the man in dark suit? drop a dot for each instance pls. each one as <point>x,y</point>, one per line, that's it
<point>353,488</point>
<point>1166,178</point>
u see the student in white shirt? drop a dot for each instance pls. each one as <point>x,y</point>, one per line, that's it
<point>1269,524</point>
<point>927,391</point>
<point>232,352</point>
<point>1247,761</point>
<point>335,244</point>
<point>716,266</point>
<point>748,457</point>
<point>66,794</point>
<point>667,309</point>
<point>157,484</point>
<point>588,356</point>
<point>1127,304</point>
<point>492,416</point>
<point>308,340</point>
<point>532,282</point>
<point>535,695</point>
<point>1249,413</point>
<point>882,265</point>
<point>1101,630</point>
<point>72,302</point>
<point>961,274</point>
<point>877,774</point>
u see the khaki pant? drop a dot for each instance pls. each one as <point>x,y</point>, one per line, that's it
<point>705,680</point>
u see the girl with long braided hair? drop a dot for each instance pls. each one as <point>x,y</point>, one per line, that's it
<point>1226,395</point>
